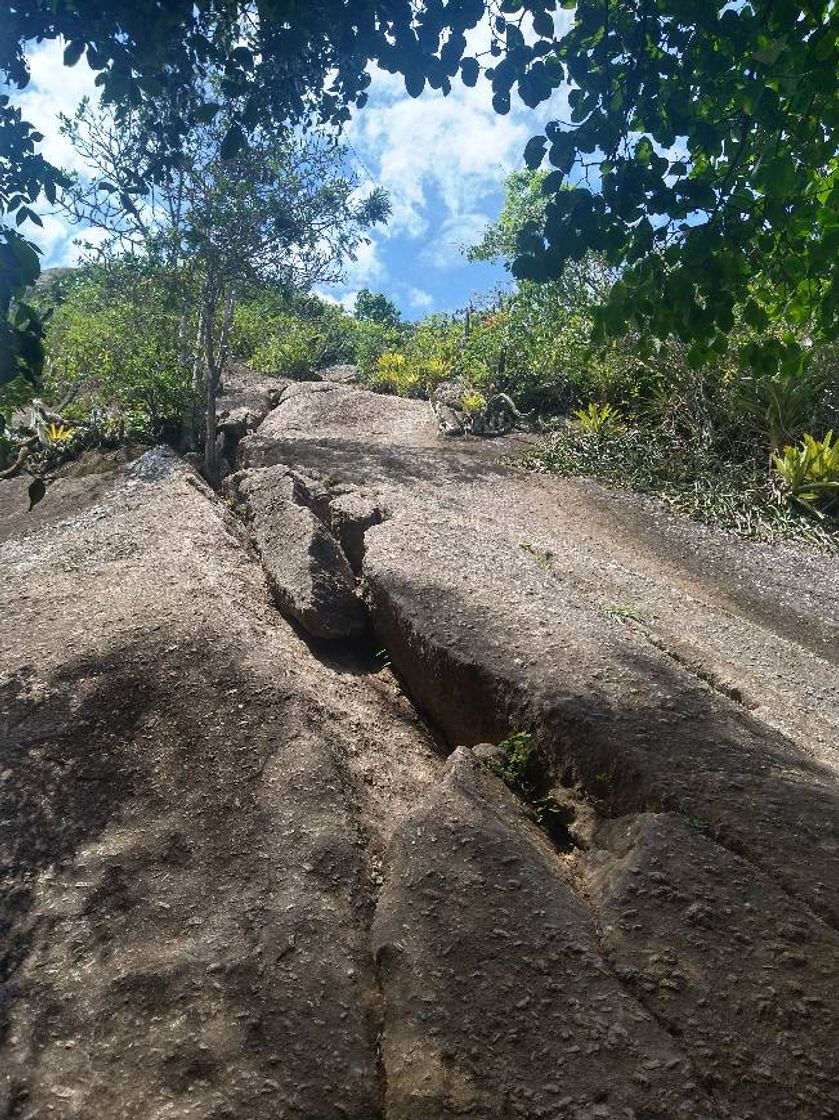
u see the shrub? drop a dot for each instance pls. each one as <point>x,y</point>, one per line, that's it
<point>393,374</point>
<point>370,341</point>
<point>294,348</point>
<point>598,420</point>
<point>809,473</point>
<point>116,345</point>
<point>738,497</point>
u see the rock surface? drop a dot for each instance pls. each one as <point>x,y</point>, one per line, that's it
<point>238,879</point>
<point>194,815</point>
<point>497,1001</point>
<point>745,977</point>
<point>309,576</point>
<point>658,663</point>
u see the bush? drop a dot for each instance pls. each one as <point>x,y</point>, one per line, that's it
<point>405,375</point>
<point>809,473</point>
<point>116,345</point>
<point>738,497</point>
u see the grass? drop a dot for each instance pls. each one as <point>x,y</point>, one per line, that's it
<point>737,497</point>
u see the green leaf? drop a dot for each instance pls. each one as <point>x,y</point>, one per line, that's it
<point>534,151</point>
<point>543,24</point>
<point>233,142</point>
<point>469,71</point>
<point>73,52</point>
<point>414,83</point>
<point>207,112</point>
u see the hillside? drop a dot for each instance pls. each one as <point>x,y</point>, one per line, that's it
<point>266,857</point>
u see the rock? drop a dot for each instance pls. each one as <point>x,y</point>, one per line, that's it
<point>341,374</point>
<point>489,752</point>
<point>358,428</point>
<point>496,999</point>
<point>625,639</point>
<point>191,838</point>
<point>351,515</point>
<point>247,397</point>
<point>741,973</point>
<point>308,574</point>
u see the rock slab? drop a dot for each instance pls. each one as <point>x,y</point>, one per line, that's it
<point>309,576</point>
<point>497,1000</point>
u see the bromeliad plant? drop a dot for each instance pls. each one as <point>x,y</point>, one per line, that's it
<point>598,420</point>
<point>809,473</point>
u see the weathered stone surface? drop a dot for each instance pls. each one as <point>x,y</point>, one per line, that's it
<point>247,397</point>
<point>351,515</point>
<point>342,374</point>
<point>307,572</point>
<point>193,814</point>
<point>742,974</point>
<point>660,663</point>
<point>497,1001</point>
<point>338,429</point>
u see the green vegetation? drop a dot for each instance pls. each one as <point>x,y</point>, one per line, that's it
<point>523,771</point>
<point>674,244</point>
<point>700,159</point>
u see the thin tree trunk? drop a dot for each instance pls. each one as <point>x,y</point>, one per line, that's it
<point>212,373</point>
<point>227,320</point>
<point>211,471</point>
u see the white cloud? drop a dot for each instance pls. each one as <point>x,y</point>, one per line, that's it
<point>442,159</point>
<point>367,268</point>
<point>446,248</point>
<point>53,89</point>
<point>419,300</point>
<point>455,147</point>
<point>347,300</point>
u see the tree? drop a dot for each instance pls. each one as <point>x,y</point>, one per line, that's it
<point>281,210</point>
<point>702,149</point>
<point>282,64</point>
<point>374,307</point>
<point>701,158</point>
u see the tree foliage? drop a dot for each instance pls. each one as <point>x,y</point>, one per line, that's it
<point>700,153</point>
<point>281,210</point>
<point>701,157</point>
<point>375,307</point>
<point>280,64</point>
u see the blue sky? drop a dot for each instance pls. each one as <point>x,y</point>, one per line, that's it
<point>442,159</point>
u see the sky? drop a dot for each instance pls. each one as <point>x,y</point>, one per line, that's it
<point>442,159</point>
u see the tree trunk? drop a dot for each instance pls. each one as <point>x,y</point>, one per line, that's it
<point>227,320</point>
<point>212,373</point>
<point>211,470</point>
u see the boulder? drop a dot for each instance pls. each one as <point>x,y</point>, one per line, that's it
<point>340,374</point>
<point>497,1002</point>
<point>308,574</point>
<point>351,515</point>
<point>193,813</point>
<point>744,976</point>
<point>658,663</point>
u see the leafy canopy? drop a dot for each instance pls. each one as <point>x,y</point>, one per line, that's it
<point>702,157</point>
<point>374,307</point>
<point>701,149</point>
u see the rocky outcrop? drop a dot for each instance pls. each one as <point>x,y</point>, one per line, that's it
<point>194,812</point>
<point>241,881</point>
<point>340,374</point>
<point>497,1001</point>
<point>744,976</point>
<point>308,574</point>
<point>633,645</point>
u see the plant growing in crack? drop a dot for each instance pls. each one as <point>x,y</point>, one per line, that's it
<point>543,559</point>
<point>622,613</point>
<point>523,771</point>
